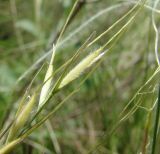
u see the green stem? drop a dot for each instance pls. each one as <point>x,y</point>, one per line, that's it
<point>156,124</point>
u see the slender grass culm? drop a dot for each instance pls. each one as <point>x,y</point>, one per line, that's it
<point>157,114</point>
<point>156,124</point>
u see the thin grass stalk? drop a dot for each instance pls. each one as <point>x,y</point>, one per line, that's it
<point>155,132</point>
<point>156,124</point>
<point>125,25</point>
<point>138,91</point>
<point>146,132</point>
<point>155,73</point>
<point>156,33</point>
<point>9,147</point>
<point>67,21</point>
<point>38,4</point>
<point>114,24</point>
<point>3,132</point>
<point>146,6</point>
<point>53,137</point>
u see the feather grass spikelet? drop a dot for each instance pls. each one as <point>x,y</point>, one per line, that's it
<point>21,119</point>
<point>48,79</point>
<point>80,68</point>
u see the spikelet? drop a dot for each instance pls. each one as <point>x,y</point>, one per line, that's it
<point>48,79</point>
<point>80,68</point>
<point>22,118</point>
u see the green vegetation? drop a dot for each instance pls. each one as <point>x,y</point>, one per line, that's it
<point>79,77</point>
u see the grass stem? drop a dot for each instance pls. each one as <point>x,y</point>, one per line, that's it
<point>156,124</point>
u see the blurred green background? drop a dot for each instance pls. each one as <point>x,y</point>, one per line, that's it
<point>27,30</point>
